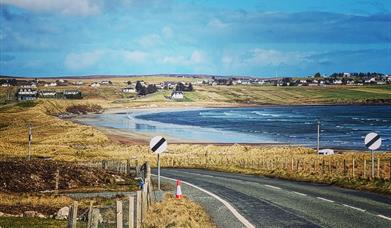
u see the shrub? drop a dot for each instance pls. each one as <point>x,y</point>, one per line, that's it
<point>27,104</point>
<point>84,109</point>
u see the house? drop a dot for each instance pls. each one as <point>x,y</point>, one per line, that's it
<point>95,84</point>
<point>47,94</point>
<point>129,90</point>
<point>5,85</point>
<point>326,152</point>
<point>78,83</point>
<point>72,94</point>
<point>177,95</point>
<point>337,82</point>
<point>25,94</point>
<point>51,84</point>
<point>106,83</point>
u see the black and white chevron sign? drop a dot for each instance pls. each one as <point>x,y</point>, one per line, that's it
<point>158,144</point>
<point>372,141</point>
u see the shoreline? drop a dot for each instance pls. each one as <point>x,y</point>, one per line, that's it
<point>131,137</point>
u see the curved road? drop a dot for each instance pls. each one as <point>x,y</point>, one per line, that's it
<point>268,202</point>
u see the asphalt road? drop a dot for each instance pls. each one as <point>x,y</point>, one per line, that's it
<point>268,202</point>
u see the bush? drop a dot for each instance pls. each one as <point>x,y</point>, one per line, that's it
<point>27,104</point>
<point>84,109</point>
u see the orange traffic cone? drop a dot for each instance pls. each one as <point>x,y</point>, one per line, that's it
<point>178,194</point>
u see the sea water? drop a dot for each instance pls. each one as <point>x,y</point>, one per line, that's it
<point>341,126</point>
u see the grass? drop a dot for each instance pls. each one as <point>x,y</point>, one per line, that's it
<point>65,140</point>
<point>172,212</point>
<point>17,222</point>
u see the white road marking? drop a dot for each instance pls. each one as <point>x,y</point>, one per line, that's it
<point>271,186</point>
<point>299,193</point>
<point>385,217</point>
<point>240,217</point>
<point>356,208</point>
<point>324,199</point>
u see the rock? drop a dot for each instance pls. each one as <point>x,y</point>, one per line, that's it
<point>30,214</point>
<point>63,213</point>
<point>1,214</point>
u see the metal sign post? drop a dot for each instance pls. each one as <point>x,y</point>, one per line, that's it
<point>373,142</point>
<point>158,145</point>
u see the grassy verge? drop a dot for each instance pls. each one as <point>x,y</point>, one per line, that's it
<point>172,212</point>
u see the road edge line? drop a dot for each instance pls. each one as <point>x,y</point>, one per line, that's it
<point>240,217</point>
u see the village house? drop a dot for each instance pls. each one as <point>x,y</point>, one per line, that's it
<point>5,85</point>
<point>129,90</point>
<point>47,94</point>
<point>25,94</point>
<point>106,82</point>
<point>177,95</point>
<point>72,94</point>
<point>78,83</point>
<point>95,84</point>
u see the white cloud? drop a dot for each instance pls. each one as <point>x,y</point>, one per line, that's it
<point>77,61</point>
<point>217,24</point>
<point>270,57</point>
<point>135,56</point>
<point>66,7</point>
<point>197,57</point>
<point>150,40</point>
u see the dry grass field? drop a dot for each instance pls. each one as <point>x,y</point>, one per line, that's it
<point>177,213</point>
<point>64,140</point>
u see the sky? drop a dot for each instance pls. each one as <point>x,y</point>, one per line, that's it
<point>261,38</point>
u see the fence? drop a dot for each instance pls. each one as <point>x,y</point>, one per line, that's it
<point>130,212</point>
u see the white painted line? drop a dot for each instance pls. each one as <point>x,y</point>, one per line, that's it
<point>271,186</point>
<point>299,193</point>
<point>385,217</point>
<point>240,217</point>
<point>324,199</point>
<point>355,208</point>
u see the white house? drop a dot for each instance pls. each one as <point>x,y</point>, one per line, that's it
<point>129,90</point>
<point>326,152</point>
<point>95,84</point>
<point>177,95</point>
<point>5,85</point>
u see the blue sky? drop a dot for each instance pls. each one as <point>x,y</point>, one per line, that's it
<point>257,38</point>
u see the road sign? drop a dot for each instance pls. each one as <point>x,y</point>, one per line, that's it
<point>158,144</point>
<point>372,141</point>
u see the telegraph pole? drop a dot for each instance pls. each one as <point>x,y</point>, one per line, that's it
<point>318,139</point>
<point>30,140</point>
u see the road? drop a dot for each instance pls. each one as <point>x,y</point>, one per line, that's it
<point>269,202</point>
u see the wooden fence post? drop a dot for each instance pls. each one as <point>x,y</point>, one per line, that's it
<point>90,215</point>
<point>119,214</point>
<point>365,168</point>
<point>378,167</point>
<point>57,177</point>
<point>95,218</point>
<point>72,217</point>
<point>137,168</point>
<point>138,209</point>
<point>131,212</point>
<point>344,167</point>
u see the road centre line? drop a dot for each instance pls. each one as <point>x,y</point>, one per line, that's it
<point>356,208</point>
<point>240,217</point>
